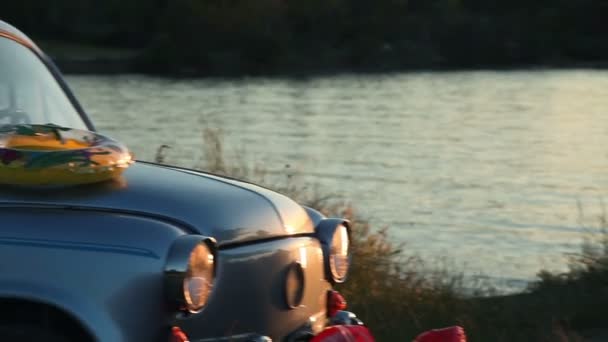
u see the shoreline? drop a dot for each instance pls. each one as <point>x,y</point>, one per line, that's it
<point>102,66</point>
<point>82,59</point>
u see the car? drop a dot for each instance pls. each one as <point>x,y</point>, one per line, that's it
<point>157,253</point>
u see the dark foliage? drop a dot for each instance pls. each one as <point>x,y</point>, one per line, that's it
<point>274,36</point>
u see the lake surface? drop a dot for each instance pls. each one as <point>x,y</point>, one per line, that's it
<point>495,173</point>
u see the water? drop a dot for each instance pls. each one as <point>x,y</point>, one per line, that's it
<point>486,170</point>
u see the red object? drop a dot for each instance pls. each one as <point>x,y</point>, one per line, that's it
<point>335,303</point>
<point>344,333</point>
<point>451,334</point>
<point>177,335</point>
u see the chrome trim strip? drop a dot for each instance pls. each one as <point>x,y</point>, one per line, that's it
<point>78,246</point>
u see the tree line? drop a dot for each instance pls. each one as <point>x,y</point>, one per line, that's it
<point>276,36</point>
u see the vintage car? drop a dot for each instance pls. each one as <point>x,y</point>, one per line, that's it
<point>157,254</point>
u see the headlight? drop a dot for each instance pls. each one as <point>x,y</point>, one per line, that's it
<point>334,235</point>
<point>339,255</point>
<point>190,272</point>
<point>199,277</point>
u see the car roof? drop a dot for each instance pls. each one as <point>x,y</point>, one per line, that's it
<point>7,28</point>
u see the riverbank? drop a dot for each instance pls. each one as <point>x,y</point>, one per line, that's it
<point>84,59</point>
<point>81,59</point>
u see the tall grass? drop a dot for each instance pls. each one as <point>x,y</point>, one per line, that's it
<point>400,295</point>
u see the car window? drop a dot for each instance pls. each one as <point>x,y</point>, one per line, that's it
<point>28,91</point>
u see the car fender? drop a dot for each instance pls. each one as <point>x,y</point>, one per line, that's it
<point>96,322</point>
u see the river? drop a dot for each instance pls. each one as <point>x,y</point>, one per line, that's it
<point>495,173</point>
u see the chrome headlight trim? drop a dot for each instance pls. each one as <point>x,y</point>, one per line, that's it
<point>178,270</point>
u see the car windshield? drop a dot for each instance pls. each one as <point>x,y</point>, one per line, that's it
<point>28,91</point>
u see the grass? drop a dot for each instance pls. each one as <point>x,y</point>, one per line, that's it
<point>400,295</point>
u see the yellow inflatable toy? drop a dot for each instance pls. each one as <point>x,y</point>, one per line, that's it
<point>53,155</point>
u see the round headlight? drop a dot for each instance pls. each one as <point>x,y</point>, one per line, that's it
<point>199,277</point>
<point>190,272</point>
<point>339,254</point>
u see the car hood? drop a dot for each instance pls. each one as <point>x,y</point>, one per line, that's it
<point>228,210</point>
